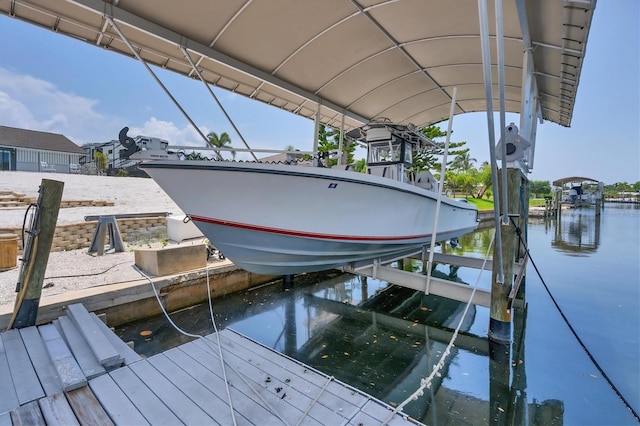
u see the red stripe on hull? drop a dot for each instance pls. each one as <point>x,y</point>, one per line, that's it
<point>308,234</point>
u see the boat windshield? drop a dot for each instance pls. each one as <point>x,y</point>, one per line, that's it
<point>390,151</point>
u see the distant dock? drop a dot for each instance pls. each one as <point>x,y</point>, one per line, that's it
<point>52,374</point>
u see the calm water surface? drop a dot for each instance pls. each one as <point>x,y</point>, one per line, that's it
<point>383,339</point>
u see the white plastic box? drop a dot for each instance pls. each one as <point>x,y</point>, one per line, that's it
<point>178,231</point>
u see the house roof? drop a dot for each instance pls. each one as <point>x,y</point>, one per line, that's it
<point>366,59</point>
<point>33,139</point>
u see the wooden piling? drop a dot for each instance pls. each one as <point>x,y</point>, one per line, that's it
<point>500,316</point>
<point>32,272</point>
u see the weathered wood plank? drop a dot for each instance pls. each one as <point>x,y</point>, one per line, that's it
<point>256,413</point>
<point>211,403</point>
<point>270,361</point>
<point>87,409</point>
<point>83,354</point>
<point>104,351</point>
<point>335,395</point>
<point>9,398</point>
<point>23,374</point>
<point>41,360</point>
<point>126,353</point>
<point>278,398</point>
<point>115,402</point>
<point>143,398</point>
<point>69,372</point>
<point>184,408</point>
<point>27,415</point>
<point>289,390</point>
<point>57,411</point>
<point>381,412</point>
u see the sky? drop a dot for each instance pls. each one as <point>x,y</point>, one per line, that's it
<point>53,83</point>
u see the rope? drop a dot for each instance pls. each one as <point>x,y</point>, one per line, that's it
<point>425,383</point>
<point>306,413</point>
<point>443,171</point>
<point>197,336</point>
<point>573,331</point>
<point>210,345</point>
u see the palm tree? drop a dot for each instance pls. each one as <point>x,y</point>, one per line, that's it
<point>463,162</point>
<point>215,141</point>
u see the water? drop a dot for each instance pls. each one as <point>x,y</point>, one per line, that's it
<point>383,339</point>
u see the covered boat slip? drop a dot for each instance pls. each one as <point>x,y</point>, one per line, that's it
<point>347,62</point>
<point>54,375</point>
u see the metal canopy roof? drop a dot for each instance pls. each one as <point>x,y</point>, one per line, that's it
<point>398,59</point>
<point>573,179</point>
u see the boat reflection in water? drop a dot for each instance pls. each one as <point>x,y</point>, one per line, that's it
<point>577,232</point>
<point>379,338</point>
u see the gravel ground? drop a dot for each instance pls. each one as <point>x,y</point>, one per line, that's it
<point>76,269</point>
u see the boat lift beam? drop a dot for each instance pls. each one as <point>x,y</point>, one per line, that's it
<point>415,281</point>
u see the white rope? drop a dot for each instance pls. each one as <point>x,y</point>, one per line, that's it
<point>210,345</point>
<point>425,383</point>
<point>197,336</point>
<point>443,170</point>
<point>306,413</point>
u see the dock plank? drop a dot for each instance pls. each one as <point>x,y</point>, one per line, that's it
<point>41,360</point>
<point>173,397</point>
<point>23,373</point>
<point>28,415</point>
<point>126,353</point>
<point>9,398</point>
<point>211,403</point>
<point>104,351</point>
<point>380,413</point>
<point>68,370</point>
<point>255,413</point>
<point>277,398</point>
<point>115,402</point>
<point>87,408</point>
<point>83,354</point>
<point>144,399</point>
<point>57,411</point>
<point>336,395</point>
<point>274,390</point>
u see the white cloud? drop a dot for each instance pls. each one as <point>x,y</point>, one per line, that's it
<point>35,104</point>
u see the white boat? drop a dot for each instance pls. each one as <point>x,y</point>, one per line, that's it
<point>282,219</point>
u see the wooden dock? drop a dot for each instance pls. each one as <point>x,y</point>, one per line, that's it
<point>77,371</point>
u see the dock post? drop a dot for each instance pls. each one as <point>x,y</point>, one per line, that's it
<point>500,316</point>
<point>287,282</point>
<point>33,270</point>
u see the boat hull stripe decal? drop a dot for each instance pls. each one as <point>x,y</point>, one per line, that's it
<point>309,234</point>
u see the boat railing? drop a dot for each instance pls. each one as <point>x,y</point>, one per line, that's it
<point>229,149</point>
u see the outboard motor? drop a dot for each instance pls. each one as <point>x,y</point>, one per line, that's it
<point>128,143</point>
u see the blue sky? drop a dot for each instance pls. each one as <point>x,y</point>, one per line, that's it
<point>53,83</point>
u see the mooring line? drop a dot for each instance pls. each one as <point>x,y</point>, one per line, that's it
<point>425,383</point>
<point>573,331</point>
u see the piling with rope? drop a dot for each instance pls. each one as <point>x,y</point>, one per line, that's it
<point>500,317</point>
<point>36,254</point>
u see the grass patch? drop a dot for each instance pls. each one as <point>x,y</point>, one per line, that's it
<point>481,204</point>
<point>487,204</point>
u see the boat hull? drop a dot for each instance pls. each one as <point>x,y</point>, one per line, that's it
<point>280,219</point>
